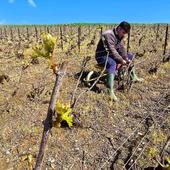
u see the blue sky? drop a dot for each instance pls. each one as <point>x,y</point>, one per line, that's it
<point>78,11</point>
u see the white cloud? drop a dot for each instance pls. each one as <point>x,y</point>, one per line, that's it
<point>11,1</point>
<point>32,3</point>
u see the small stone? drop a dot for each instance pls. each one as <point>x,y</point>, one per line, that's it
<point>7,160</point>
<point>11,168</point>
<point>139,133</point>
<point>77,149</point>
<point>48,163</point>
<point>53,166</point>
<point>30,149</point>
<point>51,160</point>
<point>8,152</point>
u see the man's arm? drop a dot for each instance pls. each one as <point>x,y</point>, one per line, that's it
<point>123,51</point>
<point>110,43</point>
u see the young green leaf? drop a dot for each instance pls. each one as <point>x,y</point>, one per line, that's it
<point>63,114</point>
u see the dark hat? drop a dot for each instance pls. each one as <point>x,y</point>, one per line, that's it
<point>125,25</point>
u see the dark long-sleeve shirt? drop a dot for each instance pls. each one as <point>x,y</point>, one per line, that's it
<point>113,44</point>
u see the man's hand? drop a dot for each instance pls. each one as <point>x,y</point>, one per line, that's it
<point>128,61</point>
<point>124,62</point>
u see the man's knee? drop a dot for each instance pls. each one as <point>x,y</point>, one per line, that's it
<point>111,66</point>
<point>131,56</point>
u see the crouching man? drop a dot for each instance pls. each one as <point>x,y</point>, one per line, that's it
<point>111,51</point>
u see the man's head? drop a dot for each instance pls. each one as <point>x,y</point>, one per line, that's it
<point>123,28</point>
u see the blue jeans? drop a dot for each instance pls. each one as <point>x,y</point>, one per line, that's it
<point>111,63</point>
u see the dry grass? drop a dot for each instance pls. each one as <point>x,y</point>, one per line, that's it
<point>24,102</point>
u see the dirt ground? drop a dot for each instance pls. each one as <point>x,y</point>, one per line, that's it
<point>112,135</point>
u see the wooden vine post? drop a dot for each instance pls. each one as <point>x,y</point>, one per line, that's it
<point>1,33</point>
<point>89,30</point>
<point>19,34</point>
<point>11,33</point>
<point>48,121</point>
<point>157,31</point>
<point>61,37</point>
<point>101,31</point>
<point>5,33</point>
<point>36,33</point>
<point>27,30</point>
<point>166,39</point>
<point>79,38</point>
<point>47,30</point>
<point>19,38</point>
<point>128,42</point>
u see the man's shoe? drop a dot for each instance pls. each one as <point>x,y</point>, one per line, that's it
<point>134,77</point>
<point>110,85</point>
